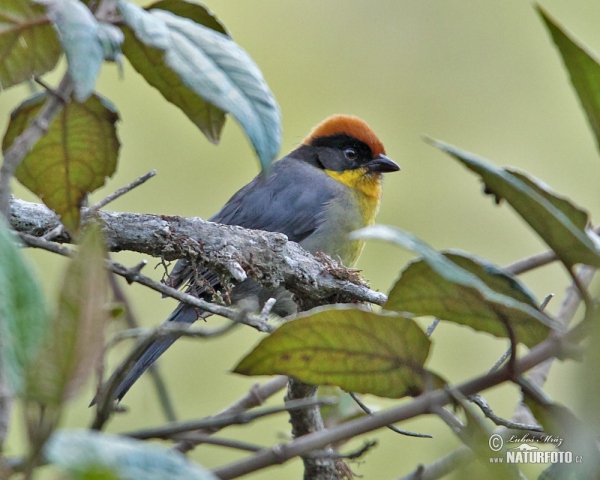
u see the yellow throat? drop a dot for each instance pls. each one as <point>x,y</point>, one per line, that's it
<point>366,186</point>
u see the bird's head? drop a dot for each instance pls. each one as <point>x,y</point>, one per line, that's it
<point>348,150</point>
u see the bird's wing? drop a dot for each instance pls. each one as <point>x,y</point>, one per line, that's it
<point>289,201</point>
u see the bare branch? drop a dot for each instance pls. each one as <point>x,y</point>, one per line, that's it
<point>227,442</point>
<point>393,428</point>
<point>254,398</point>
<point>489,413</point>
<point>132,275</point>
<point>269,258</point>
<point>171,430</point>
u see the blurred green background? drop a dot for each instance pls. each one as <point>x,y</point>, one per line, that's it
<point>482,75</point>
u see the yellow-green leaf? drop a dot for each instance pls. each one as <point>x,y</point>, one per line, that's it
<point>75,157</point>
<point>353,349</point>
<point>28,42</point>
<point>76,335</point>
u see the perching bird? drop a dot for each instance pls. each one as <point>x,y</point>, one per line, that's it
<point>316,195</point>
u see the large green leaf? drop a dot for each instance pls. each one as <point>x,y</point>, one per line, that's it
<point>353,349</point>
<point>197,60</point>
<point>583,67</point>
<point>28,43</point>
<point>22,312</point>
<point>76,337</point>
<point>73,159</point>
<point>467,291</point>
<point>82,451</point>
<point>560,224</point>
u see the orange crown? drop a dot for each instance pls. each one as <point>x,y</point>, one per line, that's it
<point>350,125</point>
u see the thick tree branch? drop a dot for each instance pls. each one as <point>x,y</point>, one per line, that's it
<point>269,258</point>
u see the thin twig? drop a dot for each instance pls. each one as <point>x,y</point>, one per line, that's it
<point>229,443</point>
<point>393,428</point>
<point>240,418</point>
<point>536,261</point>
<point>506,354</point>
<point>106,395</point>
<point>257,395</point>
<point>501,422</point>
<point>120,192</point>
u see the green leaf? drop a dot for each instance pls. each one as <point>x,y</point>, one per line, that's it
<point>554,218</point>
<point>353,349</point>
<point>22,312</point>
<point>78,35</point>
<point>583,67</point>
<point>28,43</point>
<point>470,292</point>
<point>73,159</point>
<point>199,60</point>
<point>76,337</point>
<point>78,451</point>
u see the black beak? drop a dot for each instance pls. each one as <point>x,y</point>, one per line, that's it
<point>381,163</point>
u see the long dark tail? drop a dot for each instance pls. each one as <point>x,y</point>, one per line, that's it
<point>183,313</point>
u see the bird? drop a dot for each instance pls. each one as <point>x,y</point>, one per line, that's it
<point>327,187</point>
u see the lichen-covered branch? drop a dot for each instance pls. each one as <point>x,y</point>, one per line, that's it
<point>267,257</point>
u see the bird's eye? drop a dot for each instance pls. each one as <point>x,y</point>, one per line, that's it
<point>350,154</point>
